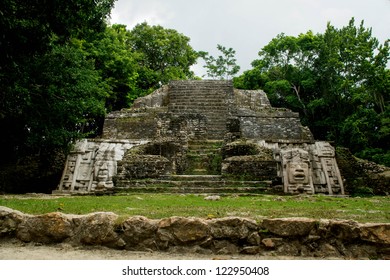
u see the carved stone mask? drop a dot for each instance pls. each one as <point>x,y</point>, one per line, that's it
<point>298,172</point>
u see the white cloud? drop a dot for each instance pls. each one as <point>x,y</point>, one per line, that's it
<point>131,13</point>
<point>248,25</point>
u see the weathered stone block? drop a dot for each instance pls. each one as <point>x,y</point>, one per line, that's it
<point>97,229</point>
<point>289,227</point>
<point>249,168</point>
<point>225,247</point>
<point>272,242</point>
<point>139,232</point>
<point>48,228</point>
<point>180,230</point>
<point>142,166</point>
<point>376,233</point>
<point>344,230</point>
<point>9,221</point>
<point>232,228</point>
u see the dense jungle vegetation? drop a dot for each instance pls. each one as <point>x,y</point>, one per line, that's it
<point>63,67</point>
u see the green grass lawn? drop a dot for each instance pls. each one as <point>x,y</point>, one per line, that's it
<point>372,209</point>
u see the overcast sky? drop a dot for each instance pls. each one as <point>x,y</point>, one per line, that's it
<point>248,25</point>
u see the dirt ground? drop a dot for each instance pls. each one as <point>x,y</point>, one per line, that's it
<point>16,250</point>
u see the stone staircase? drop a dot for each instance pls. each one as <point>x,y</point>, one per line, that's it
<point>209,98</point>
<point>203,175</point>
<point>187,184</point>
<point>204,157</point>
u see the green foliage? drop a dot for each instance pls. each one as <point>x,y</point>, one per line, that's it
<point>69,68</point>
<point>378,155</point>
<point>161,54</point>
<point>62,68</point>
<point>116,64</point>
<point>135,62</point>
<point>337,81</point>
<point>215,162</point>
<point>50,92</point>
<point>223,67</point>
<point>67,93</point>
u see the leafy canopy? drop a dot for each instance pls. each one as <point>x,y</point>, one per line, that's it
<point>161,54</point>
<point>338,81</point>
<point>224,66</point>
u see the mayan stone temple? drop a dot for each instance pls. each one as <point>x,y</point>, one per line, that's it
<point>202,137</point>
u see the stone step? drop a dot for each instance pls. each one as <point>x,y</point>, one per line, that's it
<point>219,133</point>
<point>198,171</point>
<point>203,148</point>
<point>194,91</point>
<point>202,100</point>
<point>201,145</point>
<point>216,136</point>
<point>216,128</point>
<point>194,183</point>
<point>206,149</point>
<point>189,190</point>
<point>208,145</point>
<point>216,125</point>
<point>192,178</point>
<point>206,142</point>
<point>218,100</point>
<point>201,108</point>
<point>199,97</point>
<point>166,186</point>
<point>212,122</point>
<point>201,153</point>
<point>189,105</point>
<point>205,109</point>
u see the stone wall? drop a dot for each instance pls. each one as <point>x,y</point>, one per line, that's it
<point>298,237</point>
<point>159,98</point>
<point>255,100</point>
<point>361,177</point>
<point>272,124</point>
<point>245,160</point>
<point>138,124</point>
<point>142,166</point>
<point>250,168</point>
<point>151,160</point>
<point>183,127</point>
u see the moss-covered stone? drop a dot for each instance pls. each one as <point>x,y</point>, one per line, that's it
<point>245,148</point>
<point>142,166</point>
<point>251,168</point>
<point>362,178</point>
